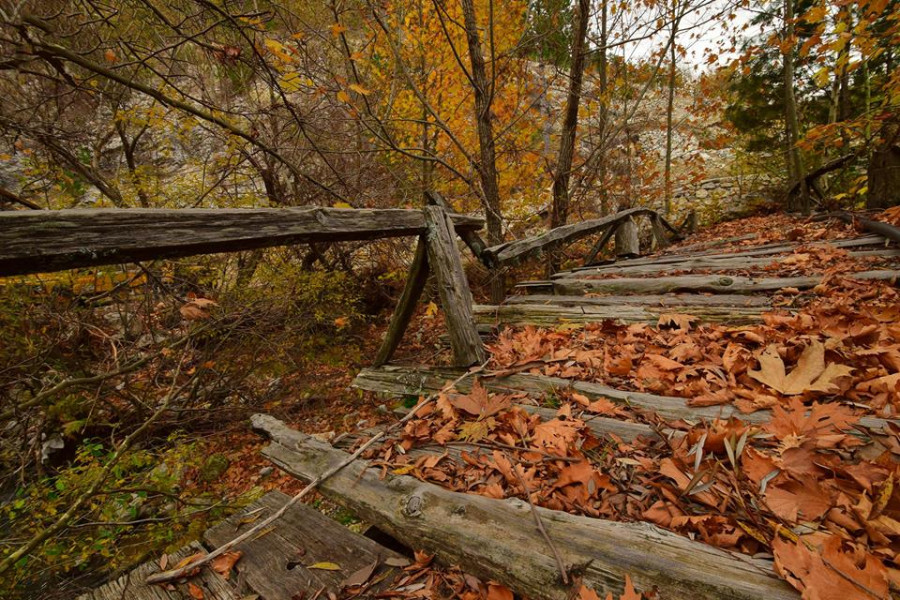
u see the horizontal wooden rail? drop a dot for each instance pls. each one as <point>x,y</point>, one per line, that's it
<point>45,241</point>
<point>516,251</point>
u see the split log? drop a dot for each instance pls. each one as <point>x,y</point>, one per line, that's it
<point>627,240</point>
<point>516,251</point>
<point>412,291</point>
<point>401,381</point>
<point>497,539</point>
<point>54,240</point>
<point>717,263</point>
<point>453,288</point>
<point>544,315</point>
<point>701,283</point>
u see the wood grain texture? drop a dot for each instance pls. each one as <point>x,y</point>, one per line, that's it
<point>548,315</point>
<point>700,283</point>
<point>131,586</point>
<point>274,565</point>
<point>655,300</point>
<point>628,242</point>
<point>453,288</point>
<point>45,241</point>
<point>518,250</point>
<point>496,539</point>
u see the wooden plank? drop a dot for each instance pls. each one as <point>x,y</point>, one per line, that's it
<point>600,244</point>
<point>764,250</point>
<point>717,263</point>
<point>412,291</point>
<point>413,380</point>
<point>544,315</point>
<point>659,231</point>
<point>518,250</point>
<point>701,283</point>
<point>275,565</point>
<point>496,539</point>
<point>131,586</point>
<point>672,301</point>
<point>44,241</point>
<point>453,288</point>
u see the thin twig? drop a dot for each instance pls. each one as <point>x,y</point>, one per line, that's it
<point>540,525</point>
<point>167,576</point>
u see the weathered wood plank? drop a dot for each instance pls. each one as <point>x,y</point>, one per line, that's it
<point>44,241</point>
<point>420,380</point>
<point>131,586</point>
<point>700,283</point>
<point>412,291</point>
<point>671,301</point>
<point>496,539</point>
<point>628,242</point>
<point>717,263</point>
<point>682,254</point>
<point>544,315</point>
<point>659,231</point>
<point>275,565</point>
<point>453,288</point>
<point>600,244</point>
<point>515,251</point>
<point>469,236</point>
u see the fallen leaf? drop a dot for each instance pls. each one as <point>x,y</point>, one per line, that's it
<point>810,374</point>
<point>222,564</point>
<point>195,591</point>
<point>325,566</point>
<point>361,576</point>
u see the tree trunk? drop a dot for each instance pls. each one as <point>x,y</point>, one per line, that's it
<point>884,173</point>
<point>487,164</point>
<point>603,71</point>
<point>795,161</point>
<point>560,212</point>
<point>670,108</point>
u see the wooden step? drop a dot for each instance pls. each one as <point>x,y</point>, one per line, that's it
<point>274,565</point>
<point>701,283</point>
<point>414,381</point>
<point>669,301</point>
<point>550,315</point>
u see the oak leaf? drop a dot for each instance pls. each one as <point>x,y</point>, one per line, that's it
<point>810,375</point>
<point>224,563</point>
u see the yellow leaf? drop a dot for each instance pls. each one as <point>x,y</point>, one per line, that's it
<point>342,205</point>
<point>279,50</point>
<point>337,29</point>
<point>360,89</point>
<point>404,470</point>
<point>343,96</point>
<point>431,310</point>
<point>325,566</point>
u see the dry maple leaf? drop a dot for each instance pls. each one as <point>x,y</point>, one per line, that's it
<point>223,564</point>
<point>810,374</point>
<point>830,573</point>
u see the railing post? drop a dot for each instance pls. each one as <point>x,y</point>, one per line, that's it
<point>453,288</point>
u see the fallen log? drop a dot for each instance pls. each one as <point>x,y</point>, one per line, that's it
<point>497,539</point>
<point>54,240</point>
<point>402,381</point>
<point>700,283</point>
<point>544,315</point>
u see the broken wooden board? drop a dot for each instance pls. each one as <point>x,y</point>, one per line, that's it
<point>548,315</point>
<point>53,240</point>
<point>419,380</point>
<point>497,539</point>
<point>131,586</point>
<point>701,283</point>
<point>277,563</point>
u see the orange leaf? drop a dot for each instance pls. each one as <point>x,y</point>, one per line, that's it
<point>223,564</point>
<point>195,591</point>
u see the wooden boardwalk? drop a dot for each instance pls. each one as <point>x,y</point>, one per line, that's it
<point>274,566</point>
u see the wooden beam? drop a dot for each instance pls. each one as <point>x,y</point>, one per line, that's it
<point>497,539</point>
<point>469,236</point>
<point>415,283</point>
<point>600,244</point>
<point>670,302</point>
<point>628,241</point>
<point>412,380</point>
<point>516,251</point>
<point>45,241</point>
<point>453,288</point>
<point>549,315</point>
<point>701,283</point>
